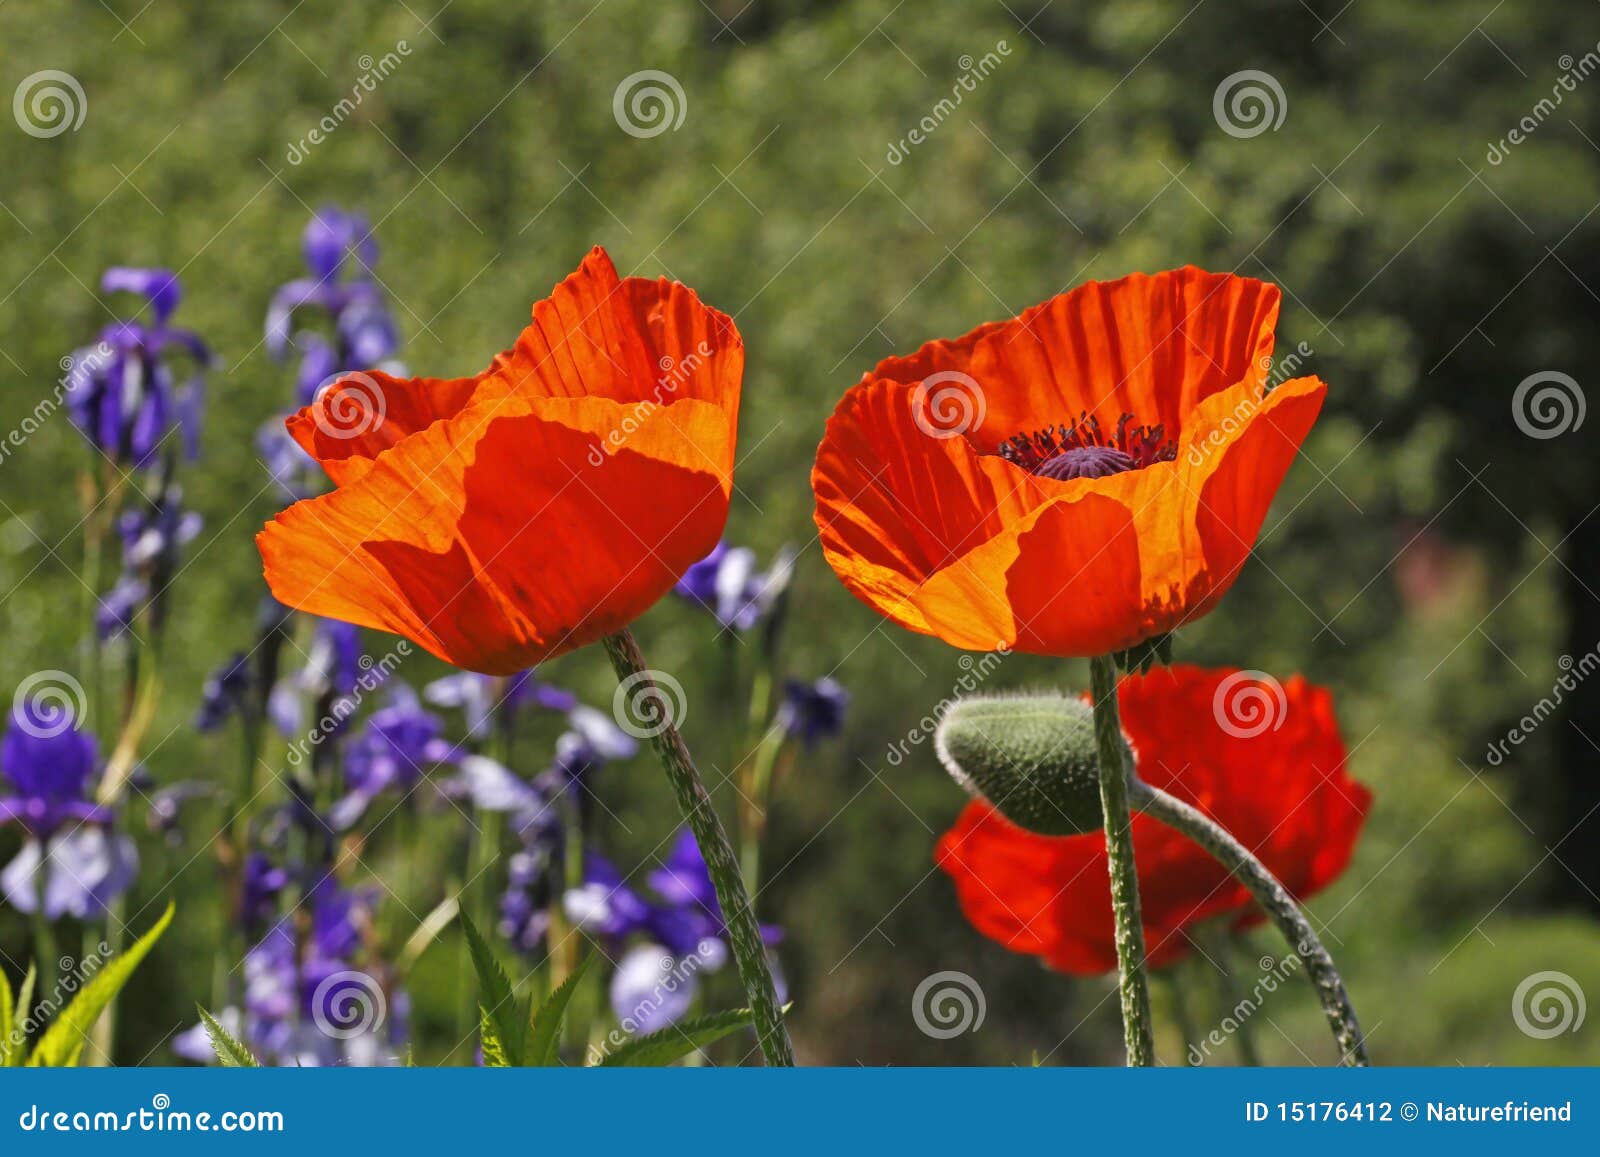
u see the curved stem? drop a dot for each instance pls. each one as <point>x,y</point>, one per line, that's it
<point>744,933</point>
<point>1114,777</point>
<point>1280,905</point>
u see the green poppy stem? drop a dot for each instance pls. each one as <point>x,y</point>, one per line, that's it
<point>1114,780</point>
<point>744,933</point>
<point>1277,901</point>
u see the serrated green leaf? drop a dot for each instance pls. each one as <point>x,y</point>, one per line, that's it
<point>8,1011</point>
<point>544,1042</point>
<point>676,1041</point>
<point>503,1027</point>
<point>62,1043</point>
<point>17,1030</point>
<point>231,1052</point>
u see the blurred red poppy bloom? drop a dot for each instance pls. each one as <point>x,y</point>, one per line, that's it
<point>1263,759</point>
<point>504,518</point>
<point>1073,481</point>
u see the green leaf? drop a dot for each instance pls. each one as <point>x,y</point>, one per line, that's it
<point>8,1009</point>
<point>17,1030</point>
<point>544,1045</point>
<point>676,1041</point>
<point>502,1026</point>
<point>62,1043</point>
<point>231,1051</point>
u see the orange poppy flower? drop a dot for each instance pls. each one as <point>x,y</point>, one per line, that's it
<point>1086,476</point>
<point>502,519</point>
<point>1262,759</point>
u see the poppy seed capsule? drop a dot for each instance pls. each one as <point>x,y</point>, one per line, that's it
<point>1031,757</point>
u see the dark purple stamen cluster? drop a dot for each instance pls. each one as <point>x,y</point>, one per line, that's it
<point>1084,450</point>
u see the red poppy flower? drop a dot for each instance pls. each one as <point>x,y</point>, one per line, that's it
<point>1074,481</point>
<point>501,519</point>
<point>1262,759</point>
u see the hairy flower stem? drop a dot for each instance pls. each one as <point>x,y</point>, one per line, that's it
<point>1114,778</point>
<point>744,933</point>
<point>1277,901</point>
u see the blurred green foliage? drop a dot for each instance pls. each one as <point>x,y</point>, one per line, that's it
<point>1424,558</point>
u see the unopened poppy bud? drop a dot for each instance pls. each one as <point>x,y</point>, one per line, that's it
<point>1031,757</point>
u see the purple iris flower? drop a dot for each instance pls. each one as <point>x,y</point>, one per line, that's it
<point>393,751</point>
<point>70,862</point>
<point>151,536</point>
<point>482,697</point>
<point>335,664</point>
<point>259,891</point>
<point>226,693</point>
<point>681,927</point>
<point>310,1004</point>
<point>813,711</point>
<point>340,253</point>
<point>166,805</point>
<point>727,584</point>
<point>123,393</point>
